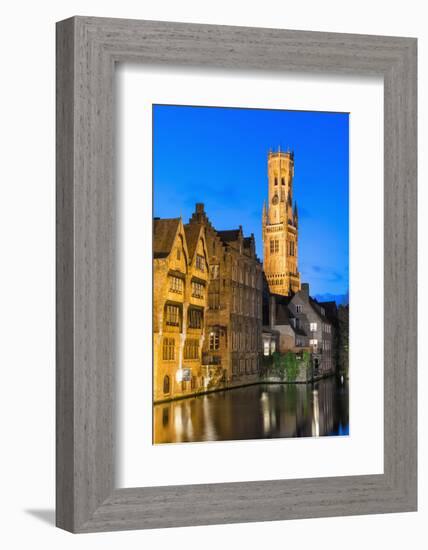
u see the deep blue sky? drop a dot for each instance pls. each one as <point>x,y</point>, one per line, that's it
<point>218,156</point>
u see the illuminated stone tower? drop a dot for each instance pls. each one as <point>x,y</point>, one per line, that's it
<point>280,226</point>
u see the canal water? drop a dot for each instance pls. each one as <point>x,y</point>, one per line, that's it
<point>256,412</point>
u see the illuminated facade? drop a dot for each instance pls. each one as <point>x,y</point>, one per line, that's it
<point>280,226</point>
<point>180,272</point>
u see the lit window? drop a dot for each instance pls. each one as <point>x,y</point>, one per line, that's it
<point>214,340</point>
<point>313,343</point>
<point>313,327</point>
<point>266,347</point>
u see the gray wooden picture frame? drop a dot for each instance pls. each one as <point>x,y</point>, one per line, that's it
<point>87,50</point>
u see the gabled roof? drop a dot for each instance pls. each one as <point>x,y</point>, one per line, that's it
<point>164,232</point>
<point>247,242</point>
<point>192,232</point>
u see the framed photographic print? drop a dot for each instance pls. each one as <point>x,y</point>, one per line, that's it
<point>236,274</point>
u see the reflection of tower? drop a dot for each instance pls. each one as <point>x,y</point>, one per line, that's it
<point>280,226</point>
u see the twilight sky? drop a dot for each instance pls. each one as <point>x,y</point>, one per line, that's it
<point>218,156</point>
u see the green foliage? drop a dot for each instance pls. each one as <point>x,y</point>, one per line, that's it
<point>343,340</point>
<point>291,366</point>
<point>284,366</point>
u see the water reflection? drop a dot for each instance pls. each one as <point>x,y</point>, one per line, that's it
<point>255,412</point>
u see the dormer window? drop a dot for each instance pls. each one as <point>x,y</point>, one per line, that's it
<point>200,262</point>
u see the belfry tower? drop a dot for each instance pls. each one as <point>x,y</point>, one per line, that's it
<point>280,226</point>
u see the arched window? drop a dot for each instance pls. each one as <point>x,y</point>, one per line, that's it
<point>166,384</point>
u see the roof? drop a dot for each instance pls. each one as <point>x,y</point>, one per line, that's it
<point>229,235</point>
<point>330,309</point>
<point>282,312</point>
<point>164,232</point>
<point>317,307</point>
<point>247,242</point>
<point>192,232</point>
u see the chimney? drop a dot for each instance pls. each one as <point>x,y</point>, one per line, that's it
<point>304,291</point>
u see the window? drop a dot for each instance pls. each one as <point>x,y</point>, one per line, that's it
<point>214,300</point>
<point>176,285</point>
<point>299,308</point>
<point>313,327</point>
<point>282,181</point>
<point>166,384</point>
<point>195,318</point>
<point>276,181</point>
<point>214,340</point>
<point>178,254</point>
<point>291,248</point>
<point>173,316</point>
<point>272,346</point>
<point>274,246</point>
<point>313,343</point>
<point>215,271</point>
<point>197,290</point>
<point>191,349</point>
<point>200,262</point>
<point>168,349</point>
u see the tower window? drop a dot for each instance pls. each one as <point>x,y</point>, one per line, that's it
<point>274,246</point>
<point>166,384</point>
<point>282,181</point>
<point>276,181</point>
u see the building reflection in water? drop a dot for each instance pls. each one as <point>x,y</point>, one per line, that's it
<point>256,412</point>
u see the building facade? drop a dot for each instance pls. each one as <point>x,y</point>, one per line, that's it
<point>180,296</point>
<point>233,338</point>
<point>280,226</point>
<point>310,318</point>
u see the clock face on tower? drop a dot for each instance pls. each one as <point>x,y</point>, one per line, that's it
<point>275,199</point>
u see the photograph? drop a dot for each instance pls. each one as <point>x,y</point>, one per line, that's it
<point>250,274</point>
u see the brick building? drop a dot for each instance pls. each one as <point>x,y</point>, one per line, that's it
<point>232,347</point>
